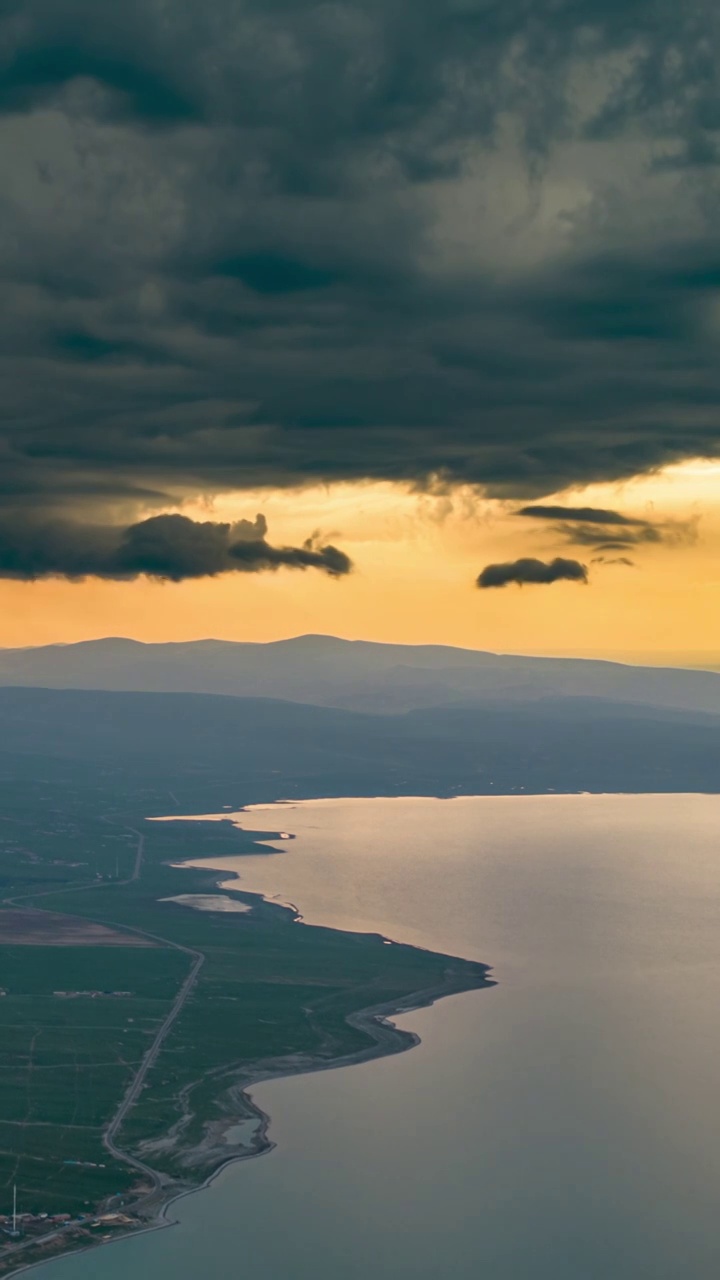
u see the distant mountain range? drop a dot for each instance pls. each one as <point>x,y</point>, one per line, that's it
<point>354,675</point>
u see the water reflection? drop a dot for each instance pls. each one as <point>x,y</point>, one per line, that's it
<point>560,1126</point>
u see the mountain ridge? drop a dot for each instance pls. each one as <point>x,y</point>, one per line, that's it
<point>350,674</point>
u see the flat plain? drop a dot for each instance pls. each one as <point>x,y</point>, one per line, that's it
<point>132,1025</point>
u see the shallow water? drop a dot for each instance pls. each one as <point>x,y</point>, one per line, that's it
<point>209,902</point>
<point>561,1126</point>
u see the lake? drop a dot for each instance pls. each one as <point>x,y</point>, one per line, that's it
<point>563,1125</point>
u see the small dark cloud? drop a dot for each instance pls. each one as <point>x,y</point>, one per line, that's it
<point>588,527</point>
<point>587,535</point>
<point>532,571</point>
<point>672,533</point>
<point>587,515</point>
<point>624,560</point>
<point>167,547</point>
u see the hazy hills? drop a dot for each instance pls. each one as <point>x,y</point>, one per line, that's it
<point>320,716</point>
<point>203,750</point>
<point>354,675</point>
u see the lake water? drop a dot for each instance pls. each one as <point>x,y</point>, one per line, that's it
<point>563,1125</point>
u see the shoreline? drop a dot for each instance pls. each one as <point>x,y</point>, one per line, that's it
<point>387,1040</point>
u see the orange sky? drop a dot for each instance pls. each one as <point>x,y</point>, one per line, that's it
<point>417,558</point>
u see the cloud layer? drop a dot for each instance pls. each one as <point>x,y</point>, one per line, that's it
<point>268,242</point>
<point>537,572</point>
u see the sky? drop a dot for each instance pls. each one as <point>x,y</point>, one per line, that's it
<point>394,319</point>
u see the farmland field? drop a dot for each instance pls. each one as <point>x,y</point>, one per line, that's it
<point>130,1022</point>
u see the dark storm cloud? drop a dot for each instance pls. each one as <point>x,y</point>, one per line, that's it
<point>271,242</point>
<point>532,571</point>
<point>169,547</point>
